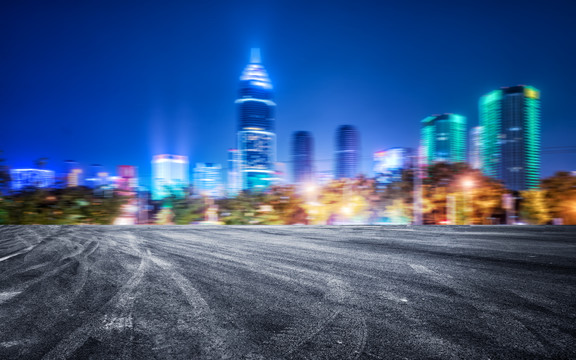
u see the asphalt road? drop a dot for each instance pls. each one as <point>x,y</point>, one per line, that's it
<point>299,292</point>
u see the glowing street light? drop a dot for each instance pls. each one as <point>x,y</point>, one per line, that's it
<point>310,188</point>
<point>346,210</point>
<point>468,183</point>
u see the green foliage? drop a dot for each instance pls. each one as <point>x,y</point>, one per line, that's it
<point>242,209</point>
<point>68,206</point>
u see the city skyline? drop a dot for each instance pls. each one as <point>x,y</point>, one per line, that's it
<point>178,103</point>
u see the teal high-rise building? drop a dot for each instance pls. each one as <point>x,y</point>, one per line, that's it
<point>444,138</point>
<point>510,120</point>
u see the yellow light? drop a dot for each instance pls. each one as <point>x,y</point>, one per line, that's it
<point>531,93</point>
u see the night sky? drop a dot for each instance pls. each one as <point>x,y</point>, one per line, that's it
<point>115,82</point>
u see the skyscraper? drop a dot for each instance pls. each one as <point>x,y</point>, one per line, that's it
<point>302,157</point>
<point>234,176</point>
<point>169,175</point>
<point>256,137</point>
<point>510,120</point>
<point>474,146</point>
<point>347,152</point>
<point>444,138</point>
<point>207,180</point>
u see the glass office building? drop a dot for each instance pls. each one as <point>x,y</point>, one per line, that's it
<point>31,178</point>
<point>169,176</point>
<point>347,152</point>
<point>443,138</point>
<point>510,146</point>
<point>302,157</point>
<point>207,180</point>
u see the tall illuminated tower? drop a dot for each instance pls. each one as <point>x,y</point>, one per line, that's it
<point>444,138</point>
<point>347,152</point>
<point>256,136</point>
<point>510,119</point>
<point>169,175</point>
<point>302,157</point>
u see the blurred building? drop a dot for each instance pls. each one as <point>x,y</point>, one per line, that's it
<point>127,178</point>
<point>234,176</point>
<point>347,152</point>
<point>169,175</point>
<point>73,173</point>
<point>207,180</point>
<point>256,136</point>
<point>510,120</point>
<point>302,157</point>
<point>444,138</point>
<point>474,146</point>
<point>324,177</point>
<point>38,178</point>
<point>281,174</point>
<point>389,164</point>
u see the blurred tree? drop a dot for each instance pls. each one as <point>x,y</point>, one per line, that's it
<point>560,195</point>
<point>165,216</point>
<point>533,207</point>
<point>242,209</point>
<point>61,206</point>
<point>286,204</point>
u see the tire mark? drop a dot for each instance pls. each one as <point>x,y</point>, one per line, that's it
<point>110,315</point>
<point>202,321</point>
<point>336,321</point>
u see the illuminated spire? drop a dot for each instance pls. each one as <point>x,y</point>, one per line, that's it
<point>255,56</point>
<point>255,72</point>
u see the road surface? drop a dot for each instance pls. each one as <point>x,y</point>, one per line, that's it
<point>287,292</point>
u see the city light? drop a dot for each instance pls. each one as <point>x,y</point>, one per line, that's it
<point>467,183</point>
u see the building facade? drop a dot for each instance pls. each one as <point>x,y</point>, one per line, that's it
<point>127,178</point>
<point>256,134</point>
<point>234,175</point>
<point>36,178</point>
<point>510,119</point>
<point>389,164</point>
<point>347,153</point>
<point>443,138</point>
<point>73,173</point>
<point>302,157</point>
<point>475,147</point>
<point>208,180</point>
<point>169,176</point>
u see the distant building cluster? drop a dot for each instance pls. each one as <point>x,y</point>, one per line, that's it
<point>505,145</point>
